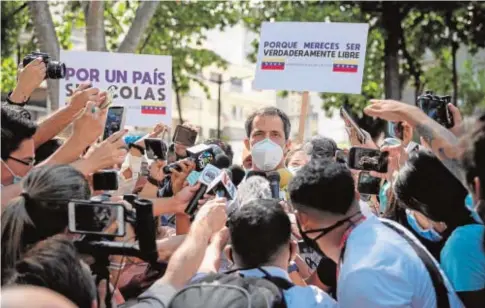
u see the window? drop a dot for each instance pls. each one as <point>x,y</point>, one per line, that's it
<point>234,112</point>
<point>236,84</point>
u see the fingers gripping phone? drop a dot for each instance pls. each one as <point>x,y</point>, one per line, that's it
<point>184,136</point>
<point>156,148</point>
<point>368,184</point>
<point>349,122</point>
<point>368,159</point>
<point>115,120</point>
<point>96,218</point>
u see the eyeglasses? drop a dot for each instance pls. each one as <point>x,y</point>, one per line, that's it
<point>30,162</point>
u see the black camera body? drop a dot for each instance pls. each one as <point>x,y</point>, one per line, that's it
<point>436,107</point>
<point>54,69</point>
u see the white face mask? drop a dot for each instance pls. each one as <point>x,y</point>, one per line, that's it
<point>133,163</point>
<point>294,169</point>
<point>266,155</point>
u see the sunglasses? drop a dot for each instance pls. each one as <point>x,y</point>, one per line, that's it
<point>30,162</point>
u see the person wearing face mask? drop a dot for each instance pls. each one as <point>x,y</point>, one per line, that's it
<point>295,159</point>
<point>268,132</point>
<point>379,263</point>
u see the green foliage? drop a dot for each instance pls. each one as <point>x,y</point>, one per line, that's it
<point>9,74</point>
<point>472,86</point>
<point>15,17</point>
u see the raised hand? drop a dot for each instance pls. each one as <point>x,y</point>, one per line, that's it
<point>83,94</point>
<point>178,177</point>
<point>29,79</point>
<point>89,125</point>
<point>212,215</point>
<point>389,110</point>
<point>457,129</point>
<point>108,153</point>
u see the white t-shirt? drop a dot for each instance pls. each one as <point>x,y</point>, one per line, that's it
<point>381,269</point>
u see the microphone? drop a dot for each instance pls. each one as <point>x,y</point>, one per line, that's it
<point>208,175</point>
<point>274,181</point>
<point>201,154</point>
<point>256,187</point>
<point>238,174</point>
<point>254,172</point>
<point>223,186</point>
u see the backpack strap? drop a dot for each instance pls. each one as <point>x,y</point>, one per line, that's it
<point>442,300</point>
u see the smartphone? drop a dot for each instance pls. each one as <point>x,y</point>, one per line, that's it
<point>96,218</point>
<point>156,148</point>
<point>367,184</point>
<point>145,169</point>
<point>349,122</point>
<point>184,136</point>
<point>368,159</point>
<point>115,120</point>
<point>105,180</point>
<point>436,107</point>
<point>341,157</point>
<point>396,130</point>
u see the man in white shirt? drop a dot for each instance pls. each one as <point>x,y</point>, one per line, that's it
<point>376,266</point>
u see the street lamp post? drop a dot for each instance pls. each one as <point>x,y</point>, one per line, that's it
<point>219,86</point>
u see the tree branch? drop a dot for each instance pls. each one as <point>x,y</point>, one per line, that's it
<point>18,10</point>
<point>143,15</point>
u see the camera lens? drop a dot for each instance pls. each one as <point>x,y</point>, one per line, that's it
<point>56,70</point>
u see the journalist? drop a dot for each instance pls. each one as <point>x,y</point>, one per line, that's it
<point>54,264</point>
<point>40,211</point>
<point>379,263</point>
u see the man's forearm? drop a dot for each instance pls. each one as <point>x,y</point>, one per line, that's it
<point>70,151</point>
<point>186,260</point>
<point>53,125</point>
<point>443,143</point>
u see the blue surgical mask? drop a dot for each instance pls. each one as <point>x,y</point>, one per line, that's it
<point>383,197</point>
<point>429,234</point>
<point>294,169</point>
<point>16,179</point>
<point>471,208</point>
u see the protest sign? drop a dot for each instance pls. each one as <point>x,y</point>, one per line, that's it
<point>311,56</point>
<point>140,83</point>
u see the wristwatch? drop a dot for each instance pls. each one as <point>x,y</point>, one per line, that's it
<point>153,181</point>
<point>292,267</point>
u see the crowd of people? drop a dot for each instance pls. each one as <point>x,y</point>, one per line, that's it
<point>299,232</point>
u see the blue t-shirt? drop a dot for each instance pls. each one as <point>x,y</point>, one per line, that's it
<point>463,258</point>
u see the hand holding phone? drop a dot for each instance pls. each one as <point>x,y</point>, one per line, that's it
<point>368,159</point>
<point>156,149</point>
<point>352,126</point>
<point>96,218</point>
<point>368,184</point>
<point>115,120</point>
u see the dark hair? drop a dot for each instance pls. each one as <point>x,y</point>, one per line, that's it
<point>54,264</point>
<point>323,185</point>
<point>226,147</point>
<point>47,149</point>
<point>321,147</point>
<point>41,211</point>
<point>259,229</point>
<point>473,159</point>
<point>425,185</point>
<point>15,129</point>
<point>269,111</point>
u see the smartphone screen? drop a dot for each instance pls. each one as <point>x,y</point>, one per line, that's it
<point>105,180</point>
<point>115,121</point>
<point>185,136</point>
<point>156,149</point>
<point>396,130</point>
<point>88,217</point>
<point>437,110</point>
<point>368,184</point>
<point>349,122</point>
<point>368,159</point>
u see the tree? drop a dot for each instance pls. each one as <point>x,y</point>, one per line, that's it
<point>94,12</point>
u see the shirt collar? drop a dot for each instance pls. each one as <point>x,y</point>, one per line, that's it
<point>272,270</point>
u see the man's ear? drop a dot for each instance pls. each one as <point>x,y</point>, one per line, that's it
<point>246,144</point>
<point>477,190</point>
<point>303,219</point>
<point>228,253</point>
<point>288,145</point>
<point>407,133</point>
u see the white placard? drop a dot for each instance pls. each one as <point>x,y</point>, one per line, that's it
<point>311,56</point>
<point>141,83</point>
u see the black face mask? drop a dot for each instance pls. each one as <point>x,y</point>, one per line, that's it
<point>312,243</point>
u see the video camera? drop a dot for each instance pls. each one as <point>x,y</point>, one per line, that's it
<point>54,69</point>
<point>107,221</point>
<point>436,107</point>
